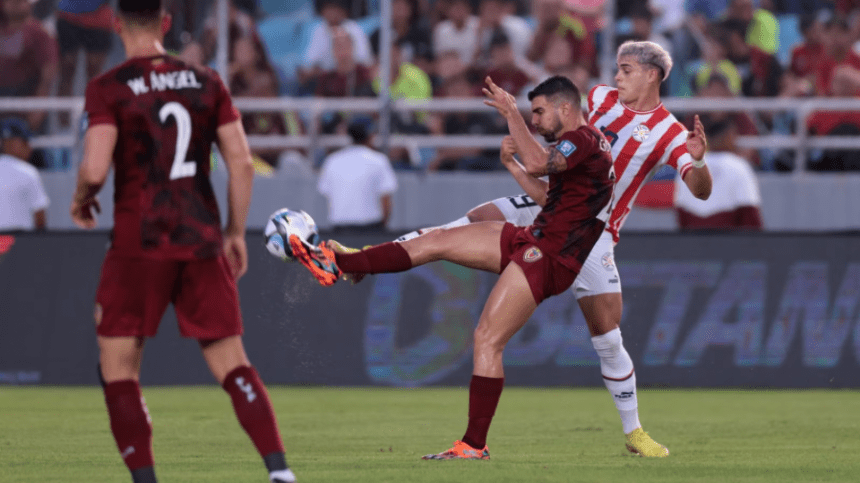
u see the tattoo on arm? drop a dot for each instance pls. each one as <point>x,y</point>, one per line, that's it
<point>555,162</point>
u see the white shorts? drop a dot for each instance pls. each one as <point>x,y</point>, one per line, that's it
<point>599,273</point>
<point>519,210</point>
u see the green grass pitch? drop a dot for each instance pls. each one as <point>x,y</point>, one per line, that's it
<point>379,435</point>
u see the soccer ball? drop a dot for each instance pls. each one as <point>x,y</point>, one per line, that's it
<point>286,222</point>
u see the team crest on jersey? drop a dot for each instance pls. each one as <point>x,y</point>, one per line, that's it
<point>533,254</point>
<point>641,133</point>
<point>604,144</point>
<point>607,261</point>
<point>566,148</point>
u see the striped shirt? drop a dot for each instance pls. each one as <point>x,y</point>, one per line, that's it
<point>641,143</point>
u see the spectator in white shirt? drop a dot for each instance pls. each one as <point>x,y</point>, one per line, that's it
<point>358,182</point>
<point>735,202</point>
<point>319,56</point>
<point>459,32</point>
<point>22,197</point>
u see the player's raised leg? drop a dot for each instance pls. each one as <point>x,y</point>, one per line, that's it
<point>119,370</point>
<point>508,308</point>
<point>474,246</point>
<point>230,365</point>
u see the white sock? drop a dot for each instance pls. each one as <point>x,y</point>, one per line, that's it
<point>413,234</point>
<point>286,476</point>
<point>617,370</point>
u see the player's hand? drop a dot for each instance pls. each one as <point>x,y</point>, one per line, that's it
<point>509,148</point>
<point>83,212</point>
<point>237,254</point>
<point>499,98</point>
<point>697,143</point>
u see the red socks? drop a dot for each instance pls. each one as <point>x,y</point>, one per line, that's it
<point>129,423</point>
<point>386,258</point>
<point>253,409</point>
<point>484,394</point>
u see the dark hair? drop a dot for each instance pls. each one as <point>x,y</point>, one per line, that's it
<point>716,128</point>
<point>359,131</point>
<point>555,86</point>
<point>736,26</point>
<point>140,10</point>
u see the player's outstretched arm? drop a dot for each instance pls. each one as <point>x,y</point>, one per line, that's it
<point>536,159</point>
<point>99,143</point>
<point>534,187</point>
<point>698,179</point>
<point>237,157</point>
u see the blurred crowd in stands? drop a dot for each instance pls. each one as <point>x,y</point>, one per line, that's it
<point>445,48</point>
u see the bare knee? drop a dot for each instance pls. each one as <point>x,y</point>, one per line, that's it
<point>223,356</point>
<point>119,358</point>
<point>486,212</point>
<point>487,340</point>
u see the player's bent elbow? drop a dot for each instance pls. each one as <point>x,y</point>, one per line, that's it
<point>703,193</point>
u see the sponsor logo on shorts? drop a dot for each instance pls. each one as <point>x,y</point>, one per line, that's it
<point>533,254</point>
<point>97,314</point>
<point>607,261</point>
<point>641,133</point>
<point>566,148</point>
<point>614,280</point>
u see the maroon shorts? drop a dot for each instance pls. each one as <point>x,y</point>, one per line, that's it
<point>546,277</point>
<point>133,294</point>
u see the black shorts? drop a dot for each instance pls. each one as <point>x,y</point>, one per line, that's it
<point>71,37</point>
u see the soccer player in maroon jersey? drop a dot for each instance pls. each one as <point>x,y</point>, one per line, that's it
<point>535,262</point>
<point>644,135</point>
<point>155,118</point>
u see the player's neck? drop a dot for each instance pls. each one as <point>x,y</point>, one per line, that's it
<point>647,102</point>
<point>143,46</point>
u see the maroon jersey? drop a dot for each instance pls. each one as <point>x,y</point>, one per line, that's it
<point>579,199</point>
<point>167,113</point>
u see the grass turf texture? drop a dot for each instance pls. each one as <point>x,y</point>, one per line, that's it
<point>379,435</point>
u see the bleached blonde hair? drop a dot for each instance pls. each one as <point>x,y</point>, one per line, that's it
<point>647,53</point>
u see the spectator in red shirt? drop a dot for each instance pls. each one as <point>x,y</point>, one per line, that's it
<point>838,59</point>
<point>348,79</point>
<point>87,26</point>
<point>252,75</point>
<point>806,55</point>
<point>503,67</point>
<point>760,71</point>
<point>28,57</point>
<point>718,86</point>
<point>836,123</point>
<point>553,19</point>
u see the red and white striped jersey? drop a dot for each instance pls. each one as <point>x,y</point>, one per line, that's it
<point>641,143</point>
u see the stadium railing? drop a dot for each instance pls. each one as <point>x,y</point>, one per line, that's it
<point>312,108</point>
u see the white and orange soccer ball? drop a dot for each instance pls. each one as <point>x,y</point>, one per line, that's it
<point>286,222</point>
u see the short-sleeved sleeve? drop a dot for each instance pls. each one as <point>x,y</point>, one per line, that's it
<point>676,154</point>
<point>387,178</point>
<point>97,107</point>
<point>224,108</point>
<point>576,146</point>
<point>37,196</point>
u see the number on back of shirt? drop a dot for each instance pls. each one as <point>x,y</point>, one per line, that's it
<point>521,201</point>
<point>181,167</point>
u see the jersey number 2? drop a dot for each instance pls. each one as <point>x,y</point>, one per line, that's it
<point>181,168</point>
